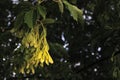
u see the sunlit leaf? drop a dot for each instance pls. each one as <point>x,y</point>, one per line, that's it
<point>75,12</point>
<point>60,4</point>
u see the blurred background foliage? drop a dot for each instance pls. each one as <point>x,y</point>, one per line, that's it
<point>80,50</point>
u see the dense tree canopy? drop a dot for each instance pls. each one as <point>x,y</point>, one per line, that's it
<point>59,39</point>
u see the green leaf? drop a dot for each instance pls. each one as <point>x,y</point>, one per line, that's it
<point>55,47</point>
<point>61,7</point>
<point>19,20</point>
<point>42,11</point>
<point>35,17</point>
<point>48,21</point>
<point>75,12</point>
<point>40,1</point>
<point>115,72</point>
<point>73,1</point>
<point>28,19</point>
<point>23,6</point>
<point>112,58</point>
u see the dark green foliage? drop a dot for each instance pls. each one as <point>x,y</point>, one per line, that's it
<point>42,11</point>
<point>88,44</point>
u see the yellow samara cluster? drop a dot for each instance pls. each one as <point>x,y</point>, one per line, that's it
<point>35,49</point>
